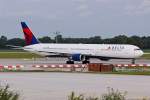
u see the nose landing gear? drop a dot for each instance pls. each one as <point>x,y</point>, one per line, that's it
<point>133,61</point>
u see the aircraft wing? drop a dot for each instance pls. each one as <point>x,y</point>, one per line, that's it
<point>65,53</point>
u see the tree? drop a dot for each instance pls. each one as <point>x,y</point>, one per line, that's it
<point>46,39</point>
<point>58,38</point>
<point>3,41</point>
<point>142,42</point>
<point>95,40</point>
<point>121,39</point>
<point>136,40</point>
<point>146,42</point>
<point>16,42</point>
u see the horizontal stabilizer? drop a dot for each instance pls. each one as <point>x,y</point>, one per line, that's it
<point>15,47</point>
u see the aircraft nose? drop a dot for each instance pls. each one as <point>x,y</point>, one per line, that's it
<point>142,52</point>
<point>139,53</point>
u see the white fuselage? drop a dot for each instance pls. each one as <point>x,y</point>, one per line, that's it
<point>101,50</point>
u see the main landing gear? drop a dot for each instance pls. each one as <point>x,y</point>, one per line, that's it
<point>70,61</point>
<point>86,61</point>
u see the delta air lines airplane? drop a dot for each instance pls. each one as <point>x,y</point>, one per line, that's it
<point>79,52</point>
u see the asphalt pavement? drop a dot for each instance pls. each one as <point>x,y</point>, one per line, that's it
<point>63,60</point>
<point>57,86</point>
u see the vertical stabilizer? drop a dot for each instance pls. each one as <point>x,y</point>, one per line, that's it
<point>29,37</point>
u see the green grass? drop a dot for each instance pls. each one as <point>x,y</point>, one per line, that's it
<point>146,56</point>
<point>11,50</point>
<point>19,54</point>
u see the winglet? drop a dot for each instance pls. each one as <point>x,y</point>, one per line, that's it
<point>29,37</point>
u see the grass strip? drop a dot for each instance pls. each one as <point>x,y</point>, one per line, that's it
<point>18,55</point>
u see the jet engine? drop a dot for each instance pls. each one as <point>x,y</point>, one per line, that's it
<point>77,57</point>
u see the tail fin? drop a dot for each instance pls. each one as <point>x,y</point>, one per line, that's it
<point>29,37</point>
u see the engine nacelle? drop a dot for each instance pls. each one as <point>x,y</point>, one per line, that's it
<point>77,57</point>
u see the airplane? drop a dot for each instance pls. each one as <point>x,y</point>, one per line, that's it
<point>79,52</point>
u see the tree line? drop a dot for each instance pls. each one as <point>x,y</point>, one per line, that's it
<point>142,42</point>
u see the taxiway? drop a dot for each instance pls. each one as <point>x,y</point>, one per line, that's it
<point>57,86</point>
<point>62,61</point>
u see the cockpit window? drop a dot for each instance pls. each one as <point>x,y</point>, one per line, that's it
<point>137,49</point>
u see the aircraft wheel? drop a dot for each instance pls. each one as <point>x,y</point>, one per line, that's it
<point>85,62</point>
<point>69,62</point>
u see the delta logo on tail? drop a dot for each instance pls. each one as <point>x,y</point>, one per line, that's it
<point>29,37</point>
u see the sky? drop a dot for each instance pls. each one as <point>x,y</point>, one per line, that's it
<point>75,18</point>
